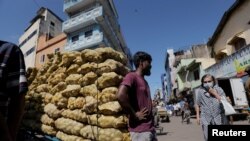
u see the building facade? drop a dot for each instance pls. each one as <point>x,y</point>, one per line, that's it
<point>231,42</point>
<point>233,31</point>
<point>44,23</point>
<point>168,78</point>
<point>92,24</point>
<point>51,46</point>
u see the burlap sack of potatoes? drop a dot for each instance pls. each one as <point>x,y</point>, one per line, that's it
<point>45,119</point>
<point>42,79</point>
<point>87,67</point>
<point>57,58</point>
<point>91,56</point>
<point>57,78</point>
<point>101,134</point>
<point>71,90</point>
<point>79,60</point>
<point>109,134</point>
<point>91,105</point>
<point>31,74</point>
<point>60,70</point>
<point>43,88</point>
<point>68,59</point>
<point>107,95</point>
<point>73,79</point>
<point>72,69</point>
<point>52,111</point>
<point>59,100</point>
<point>110,108</point>
<point>76,114</point>
<point>52,68</point>
<point>111,65</point>
<point>90,90</point>
<point>69,126</point>
<point>119,121</point>
<point>89,132</point>
<point>37,97</point>
<point>48,130</point>
<point>58,87</point>
<point>47,97</point>
<point>108,80</point>
<point>88,79</point>
<point>110,53</point>
<point>76,103</point>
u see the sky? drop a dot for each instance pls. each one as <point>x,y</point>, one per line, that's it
<point>152,26</point>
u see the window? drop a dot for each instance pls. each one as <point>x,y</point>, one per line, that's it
<point>27,39</point>
<point>238,44</point>
<point>88,33</point>
<point>196,75</point>
<point>52,23</point>
<point>57,50</point>
<point>42,59</point>
<point>30,51</point>
<point>75,38</point>
<point>49,36</point>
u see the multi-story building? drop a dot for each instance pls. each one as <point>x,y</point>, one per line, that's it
<point>44,23</point>
<point>168,79</point>
<point>92,24</point>
<point>185,68</point>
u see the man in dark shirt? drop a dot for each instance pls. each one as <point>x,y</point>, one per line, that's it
<point>13,86</point>
<point>134,96</point>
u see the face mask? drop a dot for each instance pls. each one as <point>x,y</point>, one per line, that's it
<point>208,85</point>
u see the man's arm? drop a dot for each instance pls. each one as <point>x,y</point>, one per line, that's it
<point>123,99</point>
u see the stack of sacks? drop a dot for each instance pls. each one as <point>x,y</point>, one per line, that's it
<point>76,94</point>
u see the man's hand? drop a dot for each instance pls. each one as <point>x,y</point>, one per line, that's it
<point>141,115</point>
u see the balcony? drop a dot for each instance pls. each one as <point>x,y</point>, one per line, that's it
<point>82,20</point>
<point>71,6</point>
<point>81,44</point>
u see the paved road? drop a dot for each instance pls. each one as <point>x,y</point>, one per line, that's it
<point>177,131</point>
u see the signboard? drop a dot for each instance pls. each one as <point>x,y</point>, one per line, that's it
<point>231,66</point>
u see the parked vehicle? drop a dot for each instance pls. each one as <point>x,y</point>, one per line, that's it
<point>234,89</point>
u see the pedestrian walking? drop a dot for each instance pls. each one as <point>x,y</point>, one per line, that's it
<point>209,110</point>
<point>134,96</point>
<point>13,87</point>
